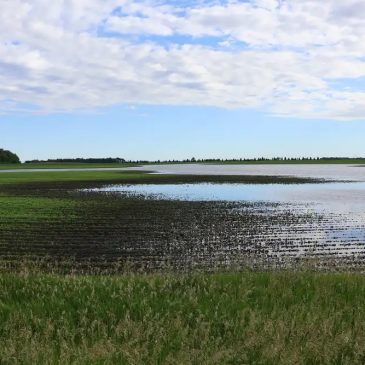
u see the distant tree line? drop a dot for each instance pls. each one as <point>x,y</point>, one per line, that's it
<point>259,159</point>
<point>8,157</point>
<point>188,160</point>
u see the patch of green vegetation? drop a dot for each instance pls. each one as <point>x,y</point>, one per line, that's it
<point>29,208</point>
<point>242,318</point>
<point>63,165</point>
<point>62,176</point>
<point>136,177</point>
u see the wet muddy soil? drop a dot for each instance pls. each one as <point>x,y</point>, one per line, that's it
<point>114,232</point>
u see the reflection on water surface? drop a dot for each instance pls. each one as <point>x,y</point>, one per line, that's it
<point>291,221</point>
<point>334,196</point>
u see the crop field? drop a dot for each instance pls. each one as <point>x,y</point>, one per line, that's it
<point>54,219</point>
<point>48,216</point>
<point>62,165</point>
<point>95,178</point>
<point>91,278</point>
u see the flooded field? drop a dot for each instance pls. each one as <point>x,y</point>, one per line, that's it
<point>321,171</point>
<point>336,196</point>
<point>341,172</point>
<point>194,222</point>
<point>320,222</point>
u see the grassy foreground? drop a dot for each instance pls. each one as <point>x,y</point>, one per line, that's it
<point>241,318</point>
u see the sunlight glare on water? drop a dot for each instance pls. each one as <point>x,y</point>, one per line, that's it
<point>336,196</point>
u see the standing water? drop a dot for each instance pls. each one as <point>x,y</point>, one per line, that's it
<point>321,221</point>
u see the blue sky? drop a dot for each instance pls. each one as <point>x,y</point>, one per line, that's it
<point>164,79</point>
<point>166,132</point>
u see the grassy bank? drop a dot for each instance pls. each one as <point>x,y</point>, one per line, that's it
<point>63,165</point>
<point>243,318</point>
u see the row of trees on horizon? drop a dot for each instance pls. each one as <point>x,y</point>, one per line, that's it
<point>10,157</point>
<point>191,160</point>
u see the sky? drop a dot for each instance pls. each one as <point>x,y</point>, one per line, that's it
<point>154,79</point>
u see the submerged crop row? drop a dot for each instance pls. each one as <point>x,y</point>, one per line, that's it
<point>58,223</point>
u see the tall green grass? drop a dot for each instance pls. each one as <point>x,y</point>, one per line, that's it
<point>242,318</point>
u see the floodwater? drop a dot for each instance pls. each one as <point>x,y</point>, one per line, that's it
<point>332,196</point>
<point>325,222</point>
<point>320,171</point>
<point>239,224</point>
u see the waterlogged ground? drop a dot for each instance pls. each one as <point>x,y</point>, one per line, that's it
<point>323,171</point>
<point>338,196</point>
<point>274,224</point>
<point>320,171</point>
<point>189,222</point>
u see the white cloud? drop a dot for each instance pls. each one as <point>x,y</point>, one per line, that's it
<point>276,56</point>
